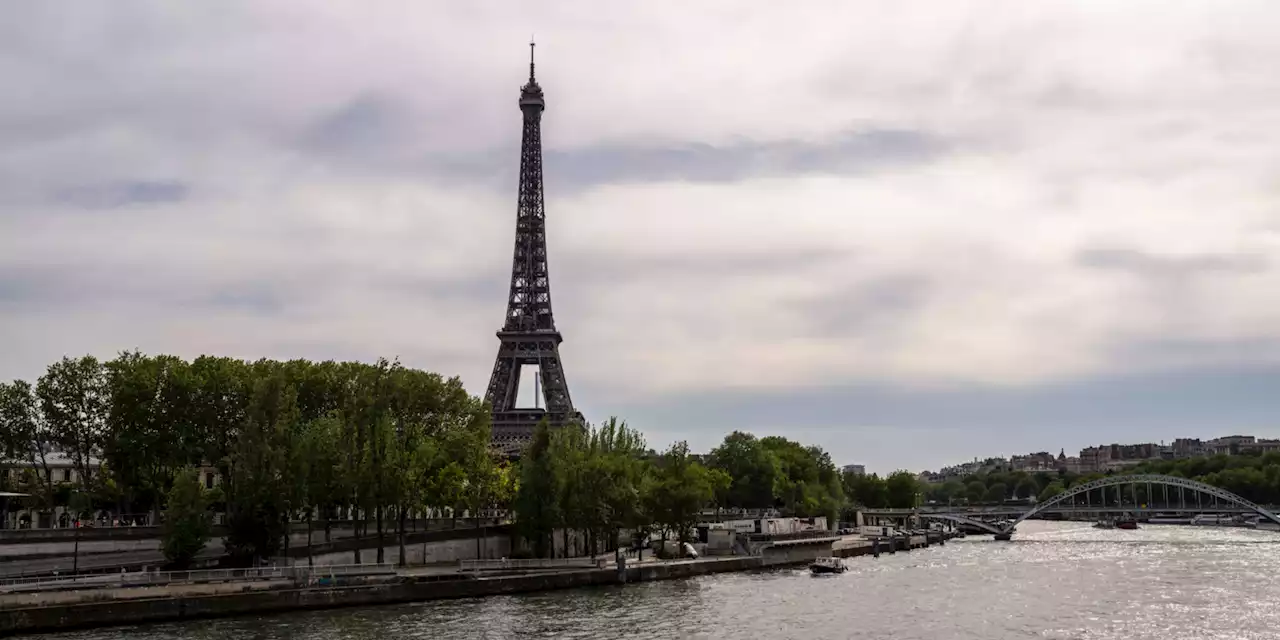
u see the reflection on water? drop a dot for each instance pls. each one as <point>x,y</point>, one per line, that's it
<point>1056,580</point>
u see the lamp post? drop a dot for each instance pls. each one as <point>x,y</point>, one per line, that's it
<point>74,503</point>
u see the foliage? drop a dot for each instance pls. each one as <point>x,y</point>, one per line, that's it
<point>777,473</point>
<point>903,488</point>
<point>187,522</point>
<point>73,402</point>
<point>679,488</point>
<point>536,504</point>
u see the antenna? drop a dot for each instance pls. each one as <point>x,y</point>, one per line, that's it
<point>532,44</point>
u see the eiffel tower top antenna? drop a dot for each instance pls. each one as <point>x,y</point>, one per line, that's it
<point>531,46</point>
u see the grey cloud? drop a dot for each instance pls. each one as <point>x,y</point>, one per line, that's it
<point>121,194</point>
<point>853,152</point>
<point>367,126</point>
<point>1158,353</point>
<point>868,306</point>
<point>367,131</point>
<point>1168,267</point>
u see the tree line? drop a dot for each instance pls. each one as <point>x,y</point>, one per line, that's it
<point>288,439</point>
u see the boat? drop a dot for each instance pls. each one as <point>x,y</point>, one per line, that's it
<point>1222,520</point>
<point>1168,520</point>
<point>827,565</point>
<point>1127,523</point>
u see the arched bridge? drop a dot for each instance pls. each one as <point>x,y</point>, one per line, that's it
<point>1102,483</point>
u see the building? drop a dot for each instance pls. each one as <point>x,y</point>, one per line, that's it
<point>1041,461</point>
<point>855,469</point>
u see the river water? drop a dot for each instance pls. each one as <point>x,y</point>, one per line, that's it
<point>1055,580</point>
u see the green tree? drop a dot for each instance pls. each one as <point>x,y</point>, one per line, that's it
<point>186,523</point>
<point>73,400</point>
<point>536,504</point>
<point>975,491</point>
<point>258,499</point>
<point>680,489</point>
<point>28,437</point>
<point>754,469</point>
<point>868,491</point>
<point>1026,488</point>
<point>1052,489</point>
<point>150,436</point>
<point>996,493</point>
<point>904,489</point>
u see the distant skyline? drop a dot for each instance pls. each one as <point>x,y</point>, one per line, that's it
<point>909,232</point>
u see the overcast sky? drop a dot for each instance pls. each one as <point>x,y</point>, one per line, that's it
<point>910,232</point>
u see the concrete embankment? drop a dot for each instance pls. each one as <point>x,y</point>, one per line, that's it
<point>182,605</point>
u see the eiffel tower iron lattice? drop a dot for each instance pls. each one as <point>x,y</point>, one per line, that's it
<point>528,335</point>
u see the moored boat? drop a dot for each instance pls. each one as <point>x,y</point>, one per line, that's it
<point>1127,523</point>
<point>827,565</point>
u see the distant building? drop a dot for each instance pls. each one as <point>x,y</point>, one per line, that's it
<point>1042,461</point>
<point>855,469</point>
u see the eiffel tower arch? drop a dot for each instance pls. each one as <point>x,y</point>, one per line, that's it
<point>528,336</point>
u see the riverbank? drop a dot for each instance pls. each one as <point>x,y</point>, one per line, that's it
<point>183,602</point>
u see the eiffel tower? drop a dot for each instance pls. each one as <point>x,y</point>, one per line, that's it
<point>528,335</point>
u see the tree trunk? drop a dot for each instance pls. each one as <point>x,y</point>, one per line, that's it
<point>287,536</point>
<point>310,560</point>
<point>378,513</point>
<point>564,539</point>
<point>328,521</point>
<point>404,562</point>
<point>357,519</point>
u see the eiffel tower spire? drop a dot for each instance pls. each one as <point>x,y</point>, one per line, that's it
<point>528,335</point>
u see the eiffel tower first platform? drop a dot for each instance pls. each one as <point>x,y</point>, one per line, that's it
<point>528,335</point>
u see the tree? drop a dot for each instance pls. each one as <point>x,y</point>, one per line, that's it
<point>754,471</point>
<point>150,436</point>
<point>869,491</point>
<point>996,492</point>
<point>680,488</point>
<point>326,485</point>
<point>1026,488</point>
<point>1052,489</point>
<point>73,400</point>
<point>975,491</point>
<point>258,499</point>
<point>187,523</point>
<point>904,489</point>
<point>950,491</point>
<point>30,438</point>
<point>536,504</point>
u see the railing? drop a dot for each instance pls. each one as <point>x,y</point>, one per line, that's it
<point>793,535</point>
<point>531,564</point>
<point>153,578</point>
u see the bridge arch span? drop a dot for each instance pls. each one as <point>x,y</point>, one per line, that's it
<point>1172,481</point>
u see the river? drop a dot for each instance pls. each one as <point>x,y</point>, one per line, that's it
<point>1055,580</point>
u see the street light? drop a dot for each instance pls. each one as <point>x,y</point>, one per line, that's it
<point>75,524</point>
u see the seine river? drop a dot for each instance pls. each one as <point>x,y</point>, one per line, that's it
<point>1055,580</point>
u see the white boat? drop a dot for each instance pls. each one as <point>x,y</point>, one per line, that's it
<point>827,565</point>
<point>1221,520</point>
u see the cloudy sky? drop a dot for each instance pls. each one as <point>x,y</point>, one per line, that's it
<point>910,232</point>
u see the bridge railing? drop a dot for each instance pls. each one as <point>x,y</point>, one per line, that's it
<point>528,564</point>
